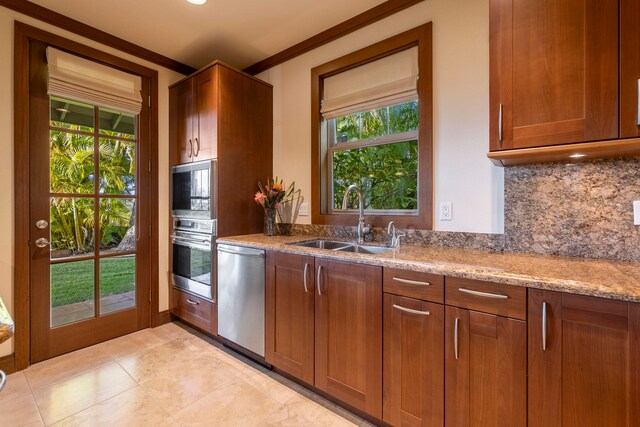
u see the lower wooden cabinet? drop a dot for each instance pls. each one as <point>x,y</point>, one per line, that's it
<point>337,316</point>
<point>485,369</point>
<point>290,291</point>
<point>413,362</point>
<point>196,311</point>
<point>584,361</point>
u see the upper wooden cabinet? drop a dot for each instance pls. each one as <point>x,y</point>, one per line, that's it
<point>584,361</point>
<point>563,72</point>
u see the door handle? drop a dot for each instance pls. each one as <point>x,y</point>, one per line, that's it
<point>455,338</point>
<point>42,224</point>
<point>318,279</point>
<point>544,326</point>
<point>500,125</point>
<point>190,149</point>
<point>42,242</point>
<point>197,150</point>
<point>304,280</point>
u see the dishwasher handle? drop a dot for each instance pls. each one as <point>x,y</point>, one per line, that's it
<point>240,251</point>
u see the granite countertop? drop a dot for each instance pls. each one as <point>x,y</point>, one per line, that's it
<point>607,279</point>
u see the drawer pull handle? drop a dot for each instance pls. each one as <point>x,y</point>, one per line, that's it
<point>304,281</point>
<point>192,302</point>
<point>500,125</point>
<point>483,294</point>
<point>318,279</point>
<point>455,338</point>
<point>544,326</point>
<point>410,310</point>
<point>411,282</point>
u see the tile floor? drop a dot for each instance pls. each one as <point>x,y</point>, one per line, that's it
<point>167,376</point>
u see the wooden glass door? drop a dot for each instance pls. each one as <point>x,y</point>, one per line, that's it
<point>89,221</point>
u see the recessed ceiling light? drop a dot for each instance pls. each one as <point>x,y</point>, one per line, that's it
<point>198,2</point>
<point>577,155</point>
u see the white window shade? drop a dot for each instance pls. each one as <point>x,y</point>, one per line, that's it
<point>387,81</point>
<point>82,80</point>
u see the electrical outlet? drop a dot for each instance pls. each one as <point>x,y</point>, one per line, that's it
<point>304,209</point>
<point>636,212</point>
<point>445,211</point>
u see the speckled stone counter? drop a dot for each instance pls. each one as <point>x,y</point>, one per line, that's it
<point>607,279</point>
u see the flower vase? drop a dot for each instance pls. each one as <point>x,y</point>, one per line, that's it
<point>269,222</point>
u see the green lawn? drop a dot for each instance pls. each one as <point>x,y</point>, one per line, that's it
<point>73,281</point>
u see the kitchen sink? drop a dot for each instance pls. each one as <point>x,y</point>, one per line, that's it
<point>333,245</point>
<point>362,249</point>
<point>324,244</point>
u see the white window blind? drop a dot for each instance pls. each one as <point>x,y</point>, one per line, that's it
<point>387,81</point>
<point>78,79</point>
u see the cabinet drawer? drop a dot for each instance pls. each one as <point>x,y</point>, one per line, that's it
<point>413,284</point>
<point>489,297</point>
<point>196,311</point>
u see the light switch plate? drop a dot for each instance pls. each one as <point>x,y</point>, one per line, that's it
<point>636,212</point>
<point>304,209</point>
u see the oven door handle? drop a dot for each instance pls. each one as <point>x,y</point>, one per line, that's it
<point>192,243</point>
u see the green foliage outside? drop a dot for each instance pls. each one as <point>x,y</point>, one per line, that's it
<point>72,171</point>
<point>387,174</point>
<point>73,281</point>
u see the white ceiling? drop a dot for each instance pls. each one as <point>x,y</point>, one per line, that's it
<point>239,32</point>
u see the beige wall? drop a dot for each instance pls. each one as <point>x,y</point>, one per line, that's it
<point>165,78</point>
<point>463,174</point>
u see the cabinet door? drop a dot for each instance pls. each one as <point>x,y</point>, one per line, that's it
<point>290,314</point>
<point>412,363</point>
<point>185,116</point>
<point>485,369</point>
<point>206,119</point>
<point>584,361</point>
<point>349,333</point>
<point>553,72</point>
<point>629,68</point>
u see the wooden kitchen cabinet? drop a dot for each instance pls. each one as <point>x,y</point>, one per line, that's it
<point>553,72</point>
<point>290,321</point>
<point>194,310</point>
<point>348,333</point>
<point>195,116</point>
<point>413,362</point>
<point>584,361</point>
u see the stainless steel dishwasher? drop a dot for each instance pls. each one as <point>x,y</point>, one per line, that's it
<point>241,276</point>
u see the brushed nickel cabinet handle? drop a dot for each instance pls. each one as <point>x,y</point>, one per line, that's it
<point>304,279</point>
<point>482,294</point>
<point>411,282</point>
<point>544,325</point>
<point>190,148</point>
<point>410,310</point>
<point>197,150</point>
<point>500,125</point>
<point>455,338</point>
<point>192,302</point>
<point>638,118</point>
<point>318,279</point>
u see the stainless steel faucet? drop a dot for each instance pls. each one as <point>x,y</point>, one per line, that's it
<point>362,228</point>
<point>395,239</point>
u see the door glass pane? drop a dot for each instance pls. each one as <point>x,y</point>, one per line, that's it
<point>192,263</point>
<point>117,166</point>
<point>117,283</point>
<point>71,115</point>
<point>117,225</point>
<point>72,292</point>
<point>116,123</point>
<point>71,225</point>
<point>71,163</point>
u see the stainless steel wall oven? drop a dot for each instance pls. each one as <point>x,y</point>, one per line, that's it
<point>193,266</point>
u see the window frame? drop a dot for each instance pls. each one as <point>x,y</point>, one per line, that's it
<point>322,211</point>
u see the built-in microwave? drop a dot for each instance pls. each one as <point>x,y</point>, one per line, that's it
<point>194,190</point>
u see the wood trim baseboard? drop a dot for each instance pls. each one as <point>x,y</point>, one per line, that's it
<point>8,363</point>
<point>561,153</point>
<point>368,17</point>
<point>54,18</point>
<point>164,317</point>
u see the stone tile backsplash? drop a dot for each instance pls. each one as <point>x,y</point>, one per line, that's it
<point>582,209</point>
<point>579,210</point>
